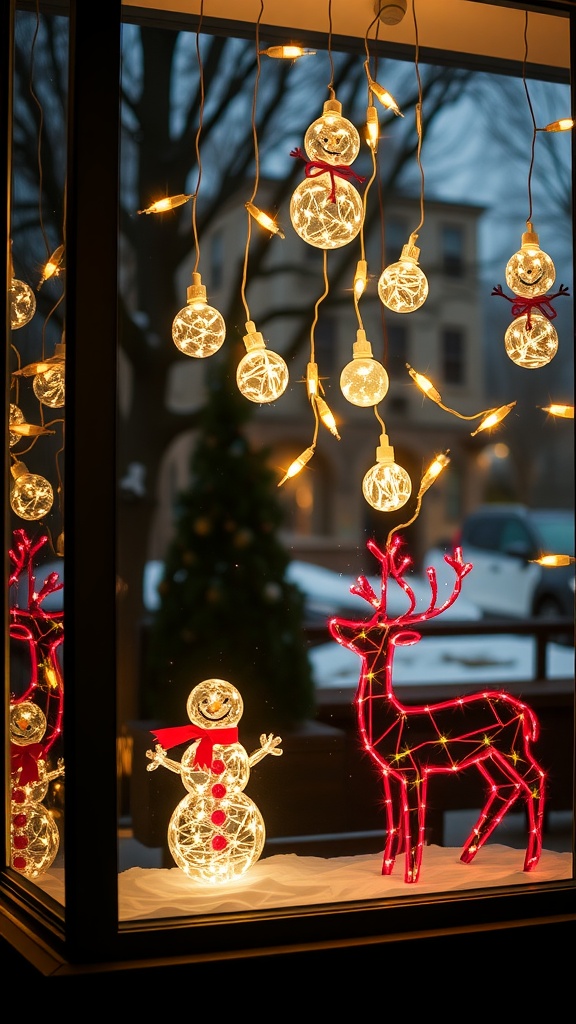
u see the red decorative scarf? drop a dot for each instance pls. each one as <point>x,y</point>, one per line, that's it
<point>171,737</point>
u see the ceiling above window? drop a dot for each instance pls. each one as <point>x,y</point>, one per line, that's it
<point>469,27</point>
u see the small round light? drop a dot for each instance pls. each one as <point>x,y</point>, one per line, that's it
<point>386,486</point>
<point>402,286</point>
<point>22,304</point>
<point>324,222</point>
<point>198,330</point>
<point>31,496</point>
<point>49,386</point>
<point>262,376</point>
<point>364,382</point>
<point>332,138</point>
<point>16,416</point>
<point>531,347</point>
<point>530,271</point>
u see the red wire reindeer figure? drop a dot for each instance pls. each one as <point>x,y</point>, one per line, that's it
<point>490,731</point>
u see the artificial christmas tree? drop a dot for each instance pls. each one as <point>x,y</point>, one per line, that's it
<point>227,609</point>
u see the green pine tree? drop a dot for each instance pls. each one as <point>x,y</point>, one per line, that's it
<point>227,609</point>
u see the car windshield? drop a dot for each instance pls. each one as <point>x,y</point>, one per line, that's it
<point>556,531</point>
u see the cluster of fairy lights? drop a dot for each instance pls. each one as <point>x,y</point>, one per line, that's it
<point>36,713</point>
<point>328,211</point>
<point>216,832</point>
<point>491,731</point>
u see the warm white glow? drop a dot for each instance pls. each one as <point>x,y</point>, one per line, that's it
<point>287,52</point>
<point>363,381</point>
<point>326,416</point>
<point>552,561</point>
<point>360,278</point>
<point>385,98</point>
<point>312,379</point>
<point>31,496</point>
<point>22,304</point>
<point>52,266</point>
<point>50,386</point>
<point>563,125</point>
<point>298,464</point>
<point>424,384</point>
<point>493,418</point>
<point>322,222</point>
<point>531,347</point>
<point>403,286</point>
<point>16,417</point>
<point>563,411</point>
<point>386,486</point>
<point>198,329</point>
<point>331,137</point>
<point>372,128</point>
<point>264,220</point>
<point>168,203</point>
<point>530,271</point>
<point>433,471</point>
<point>261,376</point>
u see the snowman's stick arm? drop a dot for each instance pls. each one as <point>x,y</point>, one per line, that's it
<point>269,745</point>
<point>158,757</point>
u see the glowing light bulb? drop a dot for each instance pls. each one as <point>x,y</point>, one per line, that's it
<point>363,381</point>
<point>493,418</point>
<point>384,97</point>
<point>326,416</point>
<point>325,209</point>
<point>198,330</point>
<point>16,417</point>
<point>403,286</point>
<point>298,464</point>
<point>31,496</point>
<point>287,52</point>
<point>530,271</point>
<point>552,561</point>
<point>312,379</point>
<point>360,278</point>
<point>22,304</point>
<point>433,471</point>
<point>264,220</point>
<point>261,376</point>
<point>424,384</point>
<point>386,486</point>
<point>534,346</point>
<point>563,411</point>
<point>49,383</point>
<point>563,125</point>
<point>52,266</point>
<point>372,128</point>
<point>168,203</point>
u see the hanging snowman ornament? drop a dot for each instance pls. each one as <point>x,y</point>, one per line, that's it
<point>216,832</point>
<point>326,209</point>
<point>34,835</point>
<point>531,341</point>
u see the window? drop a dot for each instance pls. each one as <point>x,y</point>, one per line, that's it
<point>453,355</point>
<point>452,242</point>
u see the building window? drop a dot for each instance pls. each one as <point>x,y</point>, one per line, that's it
<point>453,355</point>
<point>452,243</point>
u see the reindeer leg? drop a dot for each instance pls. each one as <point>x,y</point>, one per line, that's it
<point>414,827</point>
<point>534,793</point>
<point>393,806</point>
<point>495,808</point>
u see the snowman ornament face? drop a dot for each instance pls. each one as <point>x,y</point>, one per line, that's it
<point>34,835</point>
<point>216,832</point>
<point>326,210</point>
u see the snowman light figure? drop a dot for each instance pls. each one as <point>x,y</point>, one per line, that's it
<point>34,835</point>
<point>216,832</point>
<point>325,209</point>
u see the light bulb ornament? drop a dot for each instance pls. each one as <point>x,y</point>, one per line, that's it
<point>403,286</point>
<point>287,52</point>
<point>31,495</point>
<point>20,428</point>
<point>168,203</point>
<point>492,731</point>
<point>363,381</point>
<point>216,832</point>
<point>198,329</point>
<point>490,417</point>
<point>325,209</point>
<point>262,376</point>
<point>386,486</point>
<point>565,412</point>
<point>53,267</point>
<point>22,304</point>
<point>530,340</point>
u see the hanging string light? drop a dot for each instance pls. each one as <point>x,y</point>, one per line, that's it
<point>198,330</point>
<point>31,495</point>
<point>531,341</point>
<point>386,486</point>
<point>287,52</point>
<point>565,412</point>
<point>261,375</point>
<point>490,416</point>
<point>22,300</point>
<point>168,203</point>
<point>403,286</point>
<point>436,467</point>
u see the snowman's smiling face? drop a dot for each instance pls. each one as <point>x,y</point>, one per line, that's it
<point>530,271</point>
<point>332,139</point>
<point>27,723</point>
<point>214,702</point>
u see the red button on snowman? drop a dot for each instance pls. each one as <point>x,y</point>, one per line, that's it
<point>216,832</point>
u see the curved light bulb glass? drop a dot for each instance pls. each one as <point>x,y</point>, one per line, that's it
<point>22,304</point>
<point>321,221</point>
<point>386,486</point>
<point>332,138</point>
<point>32,496</point>
<point>262,376</point>
<point>530,271</point>
<point>364,382</point>
<point>16,416</point>
<point>403,287</point>
<point>49,386</point>
<point>531,347</point>
<point>198,330</point>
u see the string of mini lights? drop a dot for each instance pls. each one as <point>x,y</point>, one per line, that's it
<point>490,417</point>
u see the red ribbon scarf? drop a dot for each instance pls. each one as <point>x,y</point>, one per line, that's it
<point>315,167</point>
<point>208,737</point>
<point>27,759</point>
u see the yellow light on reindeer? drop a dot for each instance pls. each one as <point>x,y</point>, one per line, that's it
<point>493,418</point>
<point>264,220</point>
<point>295,467</point>
<point>168,203</point>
